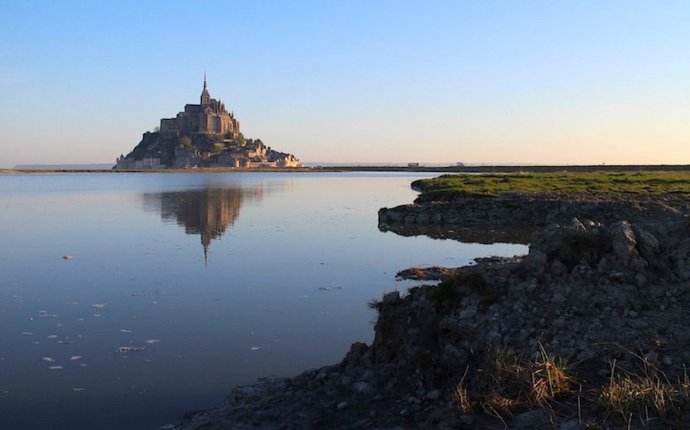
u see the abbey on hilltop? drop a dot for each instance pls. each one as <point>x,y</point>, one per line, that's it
<point>203,135</point>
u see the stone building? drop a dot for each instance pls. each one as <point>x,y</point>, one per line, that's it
<point>203,135</point>
<point>208,117</point>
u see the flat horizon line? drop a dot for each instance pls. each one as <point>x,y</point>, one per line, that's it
<point>107,166</point>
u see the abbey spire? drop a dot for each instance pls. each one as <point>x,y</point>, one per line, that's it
<point>205,96</point>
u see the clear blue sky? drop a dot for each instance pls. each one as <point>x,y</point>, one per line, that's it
<point>354,81</point>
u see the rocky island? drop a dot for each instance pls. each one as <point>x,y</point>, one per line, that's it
<point>203,135</point>
<point>589,330</point>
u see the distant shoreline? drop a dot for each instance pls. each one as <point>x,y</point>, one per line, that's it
<point>354,168</point>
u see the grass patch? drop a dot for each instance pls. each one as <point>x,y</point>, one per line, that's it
<point>446,292</point>
<point>475,282</point>
<point>509,382</point>
<point>506,383</point>
<point>577,245</point>
<point>645,394</point>
<point>562,182</point>
<point>449,291</point>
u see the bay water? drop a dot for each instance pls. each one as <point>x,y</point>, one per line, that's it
<point>127,299</point>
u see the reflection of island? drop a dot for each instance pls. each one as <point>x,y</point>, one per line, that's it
<point>206,212</point>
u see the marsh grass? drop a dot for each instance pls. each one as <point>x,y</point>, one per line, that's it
<point>509,382</point>
<point>562,182</point>
<point>450,291</point>
<point>446,292</point>
<point>645,394</point>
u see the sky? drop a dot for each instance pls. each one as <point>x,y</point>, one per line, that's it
<point>495,82</point>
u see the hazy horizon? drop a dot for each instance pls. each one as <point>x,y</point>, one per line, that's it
<point>494,83</point>
<point>106,165</point>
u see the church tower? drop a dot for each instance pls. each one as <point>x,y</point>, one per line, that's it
<point>205,96</point>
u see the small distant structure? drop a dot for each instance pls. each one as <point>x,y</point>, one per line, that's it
<point>459,164</point>
<point>412,165</point>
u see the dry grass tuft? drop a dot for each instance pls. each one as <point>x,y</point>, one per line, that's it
<point>461,395</point>
<point>646,394</point>
<point>510,382</point>
<point>507,383</point>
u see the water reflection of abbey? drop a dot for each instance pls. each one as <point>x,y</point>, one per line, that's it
<point>207,212</point>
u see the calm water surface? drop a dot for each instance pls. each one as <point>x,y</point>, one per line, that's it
<point>181,286</point>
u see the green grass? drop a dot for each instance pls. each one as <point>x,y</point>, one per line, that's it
<point>563,182</point>
<point>450,291</point>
